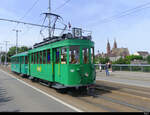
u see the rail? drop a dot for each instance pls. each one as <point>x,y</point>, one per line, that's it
<point>127,67</point>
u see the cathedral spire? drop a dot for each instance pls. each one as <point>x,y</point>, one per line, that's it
<point>115,44</point>
<point>108,48</point>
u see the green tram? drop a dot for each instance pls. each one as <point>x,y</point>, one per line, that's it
<point>19,63</point>
<point>62,62</point>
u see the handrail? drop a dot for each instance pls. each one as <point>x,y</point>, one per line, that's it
<point>126,65</point>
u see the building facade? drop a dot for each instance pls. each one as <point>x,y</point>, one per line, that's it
<point>115,53</point>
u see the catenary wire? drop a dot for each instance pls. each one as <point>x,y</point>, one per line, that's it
<point>62,5</point>
<point>126,13</point>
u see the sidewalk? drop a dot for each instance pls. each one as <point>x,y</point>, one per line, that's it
<point>128,78</point>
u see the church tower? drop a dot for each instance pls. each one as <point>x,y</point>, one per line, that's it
<point>115,44</point>
<point>108,48</point>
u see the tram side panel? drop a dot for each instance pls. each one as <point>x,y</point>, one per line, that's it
<point>39,68</point>
<point>15,65</point>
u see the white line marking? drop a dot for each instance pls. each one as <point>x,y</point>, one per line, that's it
<point>125,83</point>
<point>56,99</point>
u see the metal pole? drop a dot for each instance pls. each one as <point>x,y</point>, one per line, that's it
<point>17,31</point>
<point>16,41</point>
<point>6,53</point>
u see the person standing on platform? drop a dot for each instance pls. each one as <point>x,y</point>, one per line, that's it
<point>107,69</point>
<point>100,67</point>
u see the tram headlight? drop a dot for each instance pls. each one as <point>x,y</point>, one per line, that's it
<point>86,74</point>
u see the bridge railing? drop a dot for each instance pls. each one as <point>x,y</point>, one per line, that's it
<point>127,67</point>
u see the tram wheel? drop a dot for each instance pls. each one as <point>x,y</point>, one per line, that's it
<point>62,91</point>
<point>49,84</point>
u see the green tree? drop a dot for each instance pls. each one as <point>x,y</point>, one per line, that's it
<point>133,57</point>
<point>23,49</point>
<point>102,60</point>
<point>122,61</point>
<point>12,51</point>
<point>148,59</point>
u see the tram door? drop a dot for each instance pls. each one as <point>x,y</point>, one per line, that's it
<point>56,64</point>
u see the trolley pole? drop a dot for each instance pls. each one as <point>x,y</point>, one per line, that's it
<point>6,52</point>
<point>17,31</point>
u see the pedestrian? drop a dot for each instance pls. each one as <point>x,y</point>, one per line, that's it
<point>100,67</point>
<point>107,69</point>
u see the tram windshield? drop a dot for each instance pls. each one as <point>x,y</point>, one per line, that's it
<point>64,56</point>
<point>92,55</point>
<point>85,55</point>
<point>74,55</point>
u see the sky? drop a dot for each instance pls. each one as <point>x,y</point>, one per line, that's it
<point>130,31</point>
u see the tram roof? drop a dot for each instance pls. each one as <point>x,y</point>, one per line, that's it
<point>20,54</point>
<point>64,43</point>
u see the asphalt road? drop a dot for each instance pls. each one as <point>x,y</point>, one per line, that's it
<point>140,79</point>
<point>18,97</point>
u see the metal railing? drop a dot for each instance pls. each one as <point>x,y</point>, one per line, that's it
<point>127,67</point>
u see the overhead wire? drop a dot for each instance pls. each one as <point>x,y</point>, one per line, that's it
<point>62,5</point>
<point>28,11</point>
<point>126,13</point>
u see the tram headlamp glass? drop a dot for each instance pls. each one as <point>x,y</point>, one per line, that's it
<point>86,74</point>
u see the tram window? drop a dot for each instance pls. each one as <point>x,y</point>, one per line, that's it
<point>48,57</point>
<point>64,56</point>
<point>17,60</point>
<point>26,59</point>
<point>34,58</point>
<point>44,57</point>
<point>85,55</point>
<point>74,55</point>
<point>22,58</point>
<point>92,55</point>
<point>40,56</point>
<point>57,56</point>
<point>14,60</point>
<point>37,58</point>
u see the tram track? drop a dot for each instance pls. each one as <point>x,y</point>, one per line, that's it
<point>139,100</point>
<point>111,105</point>
<point>108,98</point>
<point>139,92</point>
<point>132,93</point>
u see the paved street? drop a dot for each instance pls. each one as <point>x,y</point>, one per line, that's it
<point>130,78</point>
<point>18,97</point>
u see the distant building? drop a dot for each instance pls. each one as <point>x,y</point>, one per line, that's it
<point>139,62</point>
<point>116,52</point>
<point>108,48</point>
<point>144,54</point>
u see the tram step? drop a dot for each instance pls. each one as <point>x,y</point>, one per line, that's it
<point>58,86</point>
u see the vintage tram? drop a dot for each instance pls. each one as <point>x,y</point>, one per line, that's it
<point>65,61</point>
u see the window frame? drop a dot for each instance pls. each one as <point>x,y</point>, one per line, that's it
<point>48,59</point>
<point>64,53</point>
<point>73,59</point>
